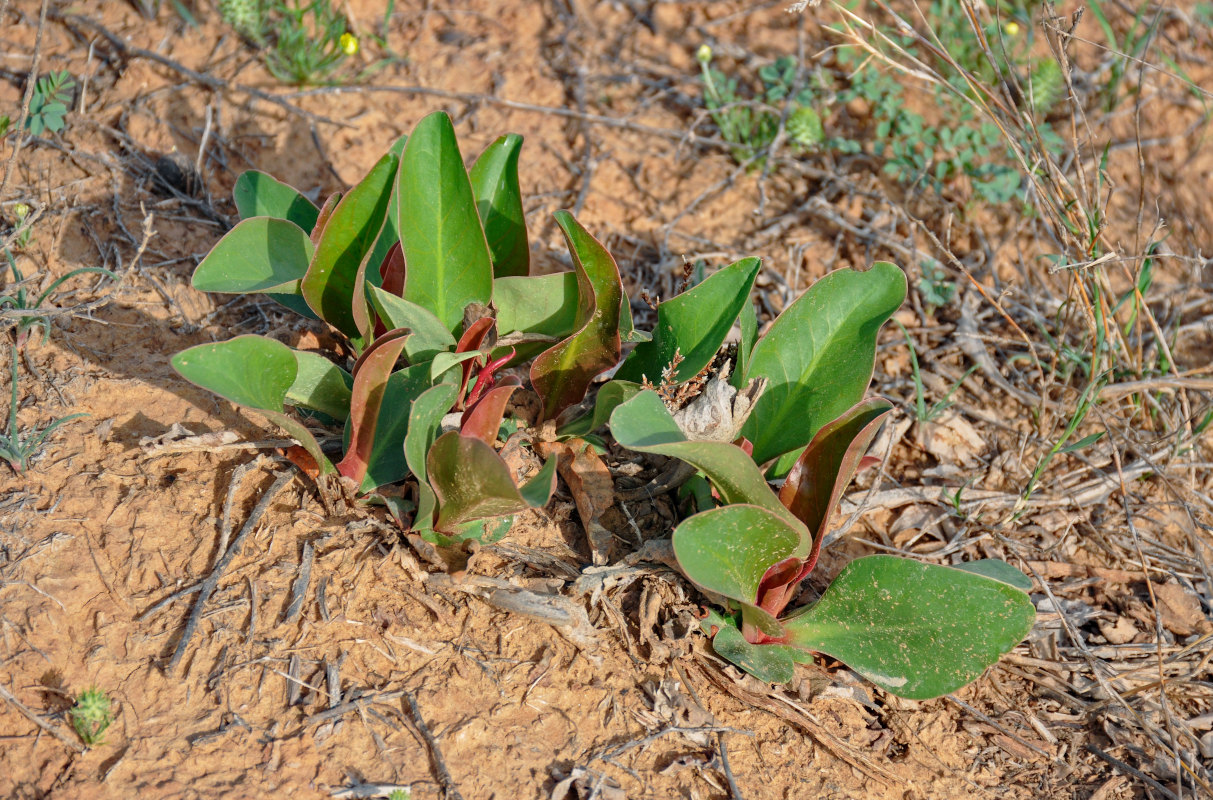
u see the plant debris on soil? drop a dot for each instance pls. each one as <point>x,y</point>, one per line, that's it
<point>163,550</point>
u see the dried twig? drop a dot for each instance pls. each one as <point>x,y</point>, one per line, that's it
<point>449,789</point>
<point>29,714</point>
<point>212,580</point>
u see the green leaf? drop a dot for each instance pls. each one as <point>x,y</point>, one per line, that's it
<point>425,423</point>
<point>262,254</point>
<point>916,630</point>
<point>1082,443</point>
<point>728,550</point>
<point>320,385</point>
<point>562,374</point>
<point>430,336</point>
<point>342,250</point>
<point>773,663</point>
<point>494,179</point>
<point>472,482</point>
<point>999,570</point>
<point>445,361</point>
<point>544,304</point>
<point>818,356</point>
<point>610,396</point>
<point>251,371</point>
<point>693,323</point>
<point>644,424</point>
<point>260,195</point>
<point>447,256</point>
<point>816,482</point>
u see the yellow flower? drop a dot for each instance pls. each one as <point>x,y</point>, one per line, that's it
<point>349,44</point>
<point>22,211</point>
<point>704,54</point>
<point>1011,28</point>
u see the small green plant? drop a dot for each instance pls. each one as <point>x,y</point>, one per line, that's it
<point>310,41</point>
<point>6,122</point>
<point>466,309</point>
<point>400,794</point>
<point>21,212</point>
<point>752,125</point>
<point>15,447</point>
<point>917,630</point>
<point>91,715</point>
<point>304,41</point>
<point>48,106</point>
<point>20,300</point>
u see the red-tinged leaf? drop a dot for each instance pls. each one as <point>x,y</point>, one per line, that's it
<point>485,378</point>
<point>471,340</point>
<point>391,271</point>
<point>371,375</point>
<point>815,483</point>
<point>336,272</point>
<point>322,218</point>
<point>483,420</point>
<point>392,335</point>
<point>562,374</point>
<point>472,482</point>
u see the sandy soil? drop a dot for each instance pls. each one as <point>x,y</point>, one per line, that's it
<point>392,672</point>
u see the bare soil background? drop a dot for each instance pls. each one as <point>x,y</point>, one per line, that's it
<point>526,666</point>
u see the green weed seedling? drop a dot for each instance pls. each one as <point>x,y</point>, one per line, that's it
<point>304,42</point>
<point>16,447</point>
<point>753,125</point>
<point>426,343</point>
<point>21,300</point>
<point>916,630</point>
<point>49,103</point>
<point>91,715</point>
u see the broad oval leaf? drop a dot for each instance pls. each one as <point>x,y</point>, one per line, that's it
<point>773,663</point>
<point>694,324</point>
<point>916,630</point>
<point>818,356</point>
<point>728,550</point>
<point>543,304</point>
<point>344,247</point>
<point>251,371</point>
<point>494,179</point>
<point>262,254</point>
<point>447,257</point>
<point>260,195</point>
<point>562,374</point>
